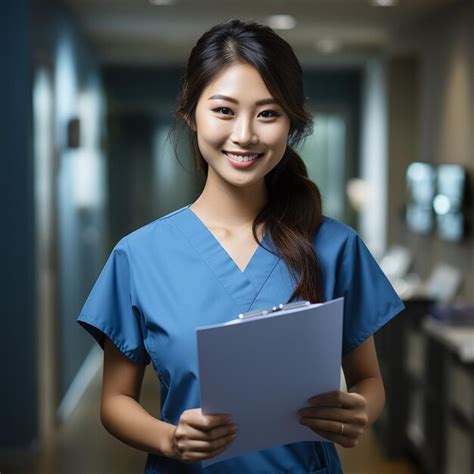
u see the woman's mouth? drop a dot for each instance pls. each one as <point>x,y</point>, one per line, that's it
<point>242,158</point>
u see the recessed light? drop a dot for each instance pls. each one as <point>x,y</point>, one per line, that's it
<point>328,45</point>
<point>384,3</point>
<point>160,2</point>
<point>281,22</point>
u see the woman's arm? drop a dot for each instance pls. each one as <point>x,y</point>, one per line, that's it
<point>362,373</point>
<point>120,410</point>
<point>196,437</point>
<point>343,417</point>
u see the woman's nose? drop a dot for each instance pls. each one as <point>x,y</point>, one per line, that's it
<point>243,132</point>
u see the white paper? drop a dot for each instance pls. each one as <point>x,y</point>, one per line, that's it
<point>262,370</point>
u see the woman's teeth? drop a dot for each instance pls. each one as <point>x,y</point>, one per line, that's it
<point>242,159</point>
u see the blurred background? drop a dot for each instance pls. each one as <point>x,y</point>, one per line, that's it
<point>88,91</point>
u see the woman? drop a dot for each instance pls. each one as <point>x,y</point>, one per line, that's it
<point>254,238</point>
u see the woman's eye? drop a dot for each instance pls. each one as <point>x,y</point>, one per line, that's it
<point>273,113</point>
<point>264,114</point>
<point>223,110</point>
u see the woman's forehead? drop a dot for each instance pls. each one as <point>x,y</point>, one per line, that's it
<point>239,81</point>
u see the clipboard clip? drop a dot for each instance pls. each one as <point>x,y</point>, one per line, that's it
<point>274,309</point>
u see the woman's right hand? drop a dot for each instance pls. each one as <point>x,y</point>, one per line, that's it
<point>198,437</point>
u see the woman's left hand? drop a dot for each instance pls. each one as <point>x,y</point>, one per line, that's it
<point>338,416</point>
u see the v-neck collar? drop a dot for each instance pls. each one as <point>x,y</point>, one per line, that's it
<point>243,286</point>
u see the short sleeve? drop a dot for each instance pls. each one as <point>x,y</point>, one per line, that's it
<point>369,299</point>
<point>109,309</point>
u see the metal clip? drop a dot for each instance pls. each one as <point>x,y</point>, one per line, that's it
<point>280,307</point>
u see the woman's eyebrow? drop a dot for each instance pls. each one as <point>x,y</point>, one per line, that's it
<point>230,99</point>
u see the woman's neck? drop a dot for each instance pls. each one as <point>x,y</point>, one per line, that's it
<point>230,206</point>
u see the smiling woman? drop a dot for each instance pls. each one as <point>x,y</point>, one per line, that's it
<point>238,101</point>
<point>242,127</point>
<point>254,238</point>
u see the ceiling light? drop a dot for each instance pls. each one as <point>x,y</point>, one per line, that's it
<point>281,22</point>
<point>160,2</point>
<point>328,45</point>
<point>384,3</point>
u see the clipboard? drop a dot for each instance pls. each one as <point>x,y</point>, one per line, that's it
<point>263,366</point>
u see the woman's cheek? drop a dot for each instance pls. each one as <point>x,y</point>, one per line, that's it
<point>276,135</point>
<point>214,132</point>
<point>208,133</point>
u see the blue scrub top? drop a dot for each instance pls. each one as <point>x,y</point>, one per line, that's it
<point>170,276</point>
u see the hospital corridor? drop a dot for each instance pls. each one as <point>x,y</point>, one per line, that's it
<point>111,152</point>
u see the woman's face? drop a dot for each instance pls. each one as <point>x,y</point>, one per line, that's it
<point>242,132</point>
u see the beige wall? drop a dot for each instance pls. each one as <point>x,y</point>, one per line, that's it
<point>431,118</point>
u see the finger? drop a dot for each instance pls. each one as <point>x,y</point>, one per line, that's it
<point>338,399</point>
<point>325,413</point>
<point>214,433</point>
<point>350,416</point>
<point>332,427</point>
<point>209,446</point>
<point>198,455</point>
<point>221,431</point>
<point>230,440</point>
<point>207,422</point>
<point>187,432</point>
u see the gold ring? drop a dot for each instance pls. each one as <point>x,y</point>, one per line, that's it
<point>342,428</point>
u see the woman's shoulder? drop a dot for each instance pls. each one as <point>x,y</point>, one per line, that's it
<point>156,232</point>
<point>334,242</point>
<point>334,231</point>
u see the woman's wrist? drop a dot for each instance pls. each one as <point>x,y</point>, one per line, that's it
<point>167,444</point>
<point>372,390</point>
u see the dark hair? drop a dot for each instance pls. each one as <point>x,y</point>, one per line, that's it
<point>293,212</point>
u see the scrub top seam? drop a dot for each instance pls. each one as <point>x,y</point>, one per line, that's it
<point>171,214</point>
<point>141,320</point>
<point>155,221</point>
<point>207,264</point>
<point>264,282</point>
<point>132,277</point>
<point>133,354</point>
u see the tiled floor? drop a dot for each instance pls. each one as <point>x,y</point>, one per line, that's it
<point>84,447</point>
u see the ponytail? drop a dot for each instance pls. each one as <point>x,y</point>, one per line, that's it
<point>292,216</point>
